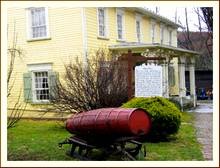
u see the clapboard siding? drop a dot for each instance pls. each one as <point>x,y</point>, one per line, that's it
<point>65,27</point>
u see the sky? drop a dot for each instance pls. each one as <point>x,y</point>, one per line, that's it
<point>169,12</point>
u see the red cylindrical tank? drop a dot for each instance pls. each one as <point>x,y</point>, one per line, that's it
<point>110,121</point>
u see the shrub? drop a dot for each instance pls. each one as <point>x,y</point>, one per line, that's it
<point>176,102</point>
<point>165,116</point>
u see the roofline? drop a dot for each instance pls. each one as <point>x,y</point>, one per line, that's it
<point>147,12</point>
<point>155,45</point>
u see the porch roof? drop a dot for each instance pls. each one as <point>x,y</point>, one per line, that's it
<point>151,46</point>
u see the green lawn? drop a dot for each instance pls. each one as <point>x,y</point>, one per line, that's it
<point>38,140</point>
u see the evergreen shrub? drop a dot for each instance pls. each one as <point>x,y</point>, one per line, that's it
<point>176,102</point>
<point>165,116</point>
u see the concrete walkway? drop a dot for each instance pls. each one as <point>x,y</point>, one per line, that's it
<point>203,108</point>
<point>204,126</point>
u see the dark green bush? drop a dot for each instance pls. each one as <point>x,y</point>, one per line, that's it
<point>176,102</point>
<point>165,116</point>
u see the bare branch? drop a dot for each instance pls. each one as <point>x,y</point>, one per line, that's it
<point>18,108</point>
<point>102,83</point>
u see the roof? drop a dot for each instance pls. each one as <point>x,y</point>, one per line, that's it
<point>155,16</point>
<point>137,45</point>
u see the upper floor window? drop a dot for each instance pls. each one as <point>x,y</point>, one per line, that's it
<point>170,37</point>
<point>102,23</point>
<point>153,29</point>
<point>120,24</point>
<point>161,34</point>
<point>138,28</point>
<point>38,23</point>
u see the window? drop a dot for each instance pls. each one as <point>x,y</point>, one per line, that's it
<point>161,34</point>
<point>38,23</point>
<point>171,72</point>
<point>41,86</point>
<point>102,22</point>
<point>170,37</point>
<point>138,29</point>
<point>153,27</point>
<point>39,83</point>
<point>120,26</point>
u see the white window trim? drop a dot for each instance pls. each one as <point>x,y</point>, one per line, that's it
<point>39,66</point>
<point>28,26</point>
<point>44,67</point>
<point>106,23</point>
<point>138,18</point>
<point>121,12</point>
<point>153,31</point>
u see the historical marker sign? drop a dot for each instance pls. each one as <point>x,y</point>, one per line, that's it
<point>148,80</point>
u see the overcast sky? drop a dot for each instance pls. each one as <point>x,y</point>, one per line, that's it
<point>169,12</point>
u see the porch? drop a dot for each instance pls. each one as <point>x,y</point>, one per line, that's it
<point>174,62</point>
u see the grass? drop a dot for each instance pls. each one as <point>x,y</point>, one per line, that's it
<point>182,146</point>
<point>38,140</point>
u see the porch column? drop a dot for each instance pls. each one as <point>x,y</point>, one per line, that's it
<point>182,82</point>
<point>192,80</point>
<point>165,78</point>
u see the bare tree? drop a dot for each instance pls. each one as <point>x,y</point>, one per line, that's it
<point>13,53</point>
<point>205,15</point>
<point>200,41</point>
<point>208,17</point>
<point>101,83</point>
<point>190,46</point>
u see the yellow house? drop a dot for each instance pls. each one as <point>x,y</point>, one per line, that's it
<point>51,37</point>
